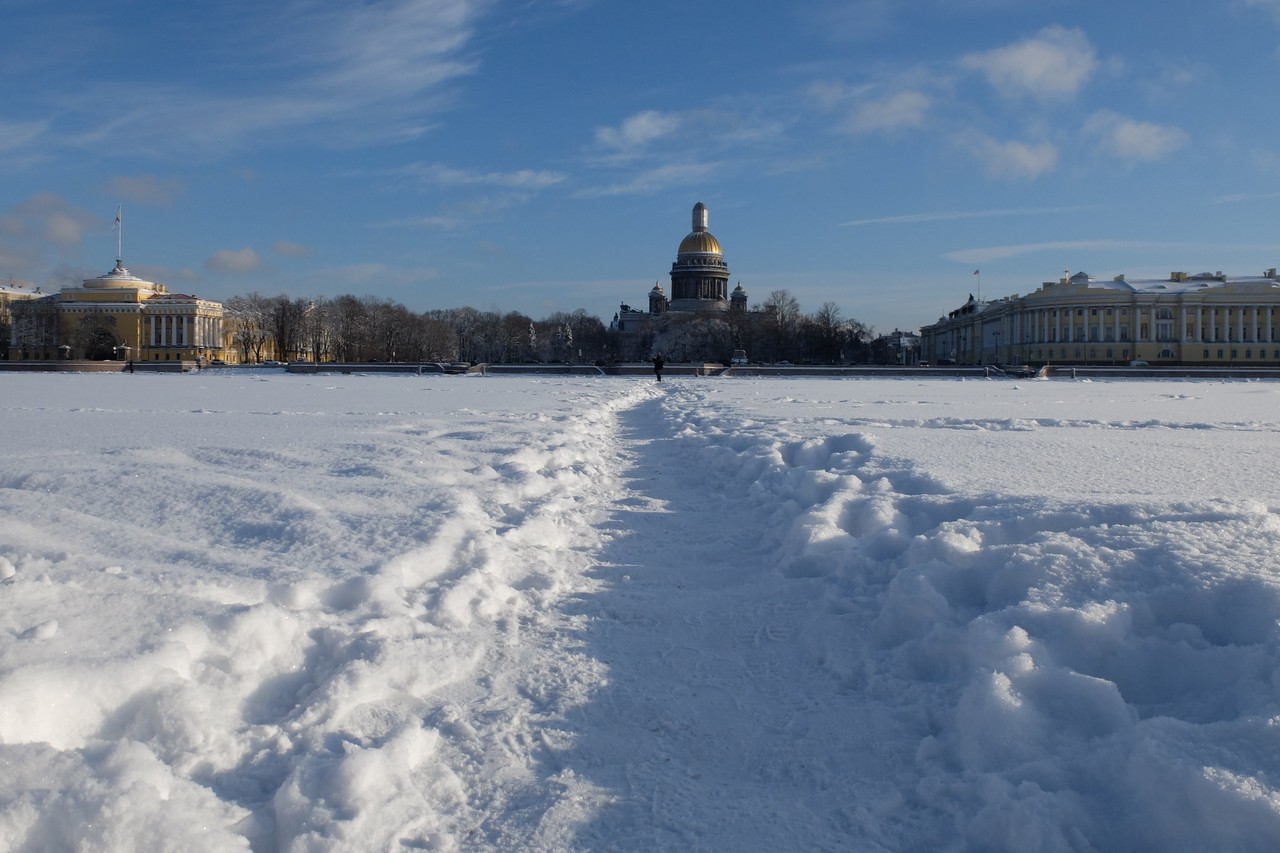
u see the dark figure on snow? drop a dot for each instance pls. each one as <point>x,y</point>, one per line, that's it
<point>657,367</point>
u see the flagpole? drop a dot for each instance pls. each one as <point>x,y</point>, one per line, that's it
<point>119,236</point>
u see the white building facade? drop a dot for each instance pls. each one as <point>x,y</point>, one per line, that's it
<point>1205,319</point>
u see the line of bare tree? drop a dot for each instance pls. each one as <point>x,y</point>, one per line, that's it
<point>363,329</point>
<point>355,329</point>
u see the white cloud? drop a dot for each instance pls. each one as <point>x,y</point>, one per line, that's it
<point>49,217</point>
<point>1272,6</point>
<point>146,189</point>
<point>637,131</point>
<point>373,275</point>
<point>234,261</point>
<point>289,249</point>
<point>897,111</point>
<point>1013,159</point>
<point>1052,65</point>
<point>1133,141</point>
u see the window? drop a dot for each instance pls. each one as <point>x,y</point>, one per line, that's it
<point>1219,353</point>
<point>1206,355</point>
<point>1248,353</point>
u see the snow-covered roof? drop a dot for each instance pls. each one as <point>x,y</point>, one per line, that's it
<point>1175,283</point>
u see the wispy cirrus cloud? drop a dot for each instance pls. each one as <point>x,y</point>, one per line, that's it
<point>337,75</point>
<point>984,254</point>
<point>436,174</point>
<point>955,215</point>
<point>653,180</point>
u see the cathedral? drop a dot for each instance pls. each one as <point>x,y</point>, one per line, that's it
<point>699,288</point>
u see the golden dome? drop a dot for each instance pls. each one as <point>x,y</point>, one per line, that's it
<point>699,242</point>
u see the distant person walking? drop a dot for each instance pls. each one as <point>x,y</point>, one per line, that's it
<point>657,367</point>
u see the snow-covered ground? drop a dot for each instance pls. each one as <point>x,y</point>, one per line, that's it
<point>251,610</point>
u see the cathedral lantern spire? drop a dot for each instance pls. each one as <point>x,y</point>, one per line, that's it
<point>699,217</point>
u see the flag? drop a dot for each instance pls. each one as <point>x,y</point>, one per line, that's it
<point>975,272</point>
<point>116,227</point>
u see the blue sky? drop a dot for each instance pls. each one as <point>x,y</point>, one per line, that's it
<point>545,156</point>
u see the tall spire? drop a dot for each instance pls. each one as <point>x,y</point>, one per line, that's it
<point>119,229</point>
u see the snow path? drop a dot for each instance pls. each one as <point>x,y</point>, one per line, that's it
<point>735,716</point>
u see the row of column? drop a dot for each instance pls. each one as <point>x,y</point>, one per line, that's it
<point>168,330</point>
<point>1040,327</point>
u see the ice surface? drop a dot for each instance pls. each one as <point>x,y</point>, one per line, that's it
<point>288,613</point>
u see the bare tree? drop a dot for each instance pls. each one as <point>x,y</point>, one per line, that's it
<point>781,325</point>
<point>35,324</point>
<point>249,317</point>
<point>314,330</point>
<point>285,324</point>
<point>349,328</point>
<point>824,338</point>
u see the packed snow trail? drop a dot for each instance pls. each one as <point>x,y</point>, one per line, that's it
<point>735,715</point>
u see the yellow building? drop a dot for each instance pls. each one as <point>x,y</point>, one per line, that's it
<point>117,316</point>
<point>1207,319</point>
